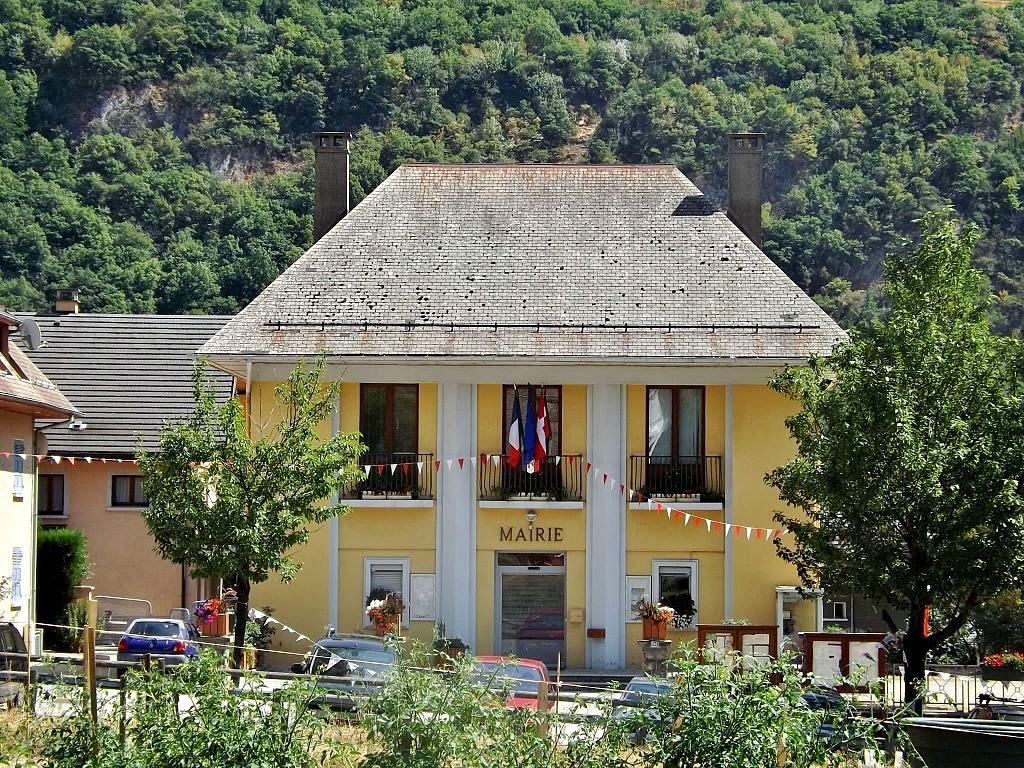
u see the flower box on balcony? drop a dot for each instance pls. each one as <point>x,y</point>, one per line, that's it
<point>1001,673</point>
<point>382,495</point>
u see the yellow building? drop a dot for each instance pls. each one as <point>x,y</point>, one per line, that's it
<point>28,402</point>
<point>649,322</point>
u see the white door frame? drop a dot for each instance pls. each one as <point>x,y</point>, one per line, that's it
<point>524,570</point>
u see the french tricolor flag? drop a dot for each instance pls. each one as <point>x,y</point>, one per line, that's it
<point>540,450</point>
<point>515,432</point>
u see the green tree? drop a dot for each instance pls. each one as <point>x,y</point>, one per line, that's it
<point>911,451</point>
<point>231,504</point>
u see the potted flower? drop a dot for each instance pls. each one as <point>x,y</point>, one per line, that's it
<point>385,611</point>
<point>655,618</point>
<point>1003,666</point>
<point>211,618</point>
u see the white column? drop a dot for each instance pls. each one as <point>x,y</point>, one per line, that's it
<point>333,535</point>
<point>606,525</point>
<point>727,584</point>
<point>455,579</point>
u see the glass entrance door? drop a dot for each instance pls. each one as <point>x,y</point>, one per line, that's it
<point>530,602</point>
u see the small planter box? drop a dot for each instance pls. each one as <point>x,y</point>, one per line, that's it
<point>216,628</point>
<point>655,630</point>
<point>1001,673</point>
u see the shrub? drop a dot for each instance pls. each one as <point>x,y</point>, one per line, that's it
<point>721,715</point>
<point>61,565</point>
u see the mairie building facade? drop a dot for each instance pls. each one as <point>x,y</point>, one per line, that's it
<point>450,303</point>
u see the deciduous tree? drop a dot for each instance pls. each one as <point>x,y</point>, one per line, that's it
<point>231,503</point>
<point>911,451</point>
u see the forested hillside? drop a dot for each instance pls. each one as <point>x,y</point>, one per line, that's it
<point>152,153</point>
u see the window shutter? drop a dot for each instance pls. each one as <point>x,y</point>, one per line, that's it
<point>16,556</point>
<point>387,577</point>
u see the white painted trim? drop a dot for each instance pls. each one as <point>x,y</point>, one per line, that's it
<point>682,506</point>
<point>371,561</point>
<point>493,371</point>
<point>525,504</point>
<point>127,509</point>
<point>588,600</point>
<point>389,503</point>
<point>694,566</point>
<point>727,478</point>
<point>333,534</point>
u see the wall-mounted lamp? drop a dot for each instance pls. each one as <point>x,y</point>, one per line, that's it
<point>531,516</point>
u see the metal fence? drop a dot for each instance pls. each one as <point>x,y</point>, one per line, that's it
<point>558,478</point>
<point>394,476</point>
<point>676,477</point>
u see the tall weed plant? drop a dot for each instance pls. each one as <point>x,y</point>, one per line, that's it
<point>731,715</point>
<point>197,718</point>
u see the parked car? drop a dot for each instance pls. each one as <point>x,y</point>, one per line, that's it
<point>171,640</point>
<point>11,641</point>
<point>348,667</point>
<point>639,699</point>
<point>504,673</point>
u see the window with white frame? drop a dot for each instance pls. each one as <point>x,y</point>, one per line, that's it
<point>18,470</point>
<point>50,495</point>
<point>127,491</point>
<point>386,574</point>
<point>675,585</point>
<point>835,610</point>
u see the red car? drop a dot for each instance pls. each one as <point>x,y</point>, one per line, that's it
<point>514,675</point>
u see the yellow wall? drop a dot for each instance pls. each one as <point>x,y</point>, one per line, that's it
<point>16,512</point>
<point>574,537</point>
<point>761,444</point>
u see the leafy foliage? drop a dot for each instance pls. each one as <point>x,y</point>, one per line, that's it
<point>910,450</point>
<point>232,505</point>
<point>151,151</point>
<point>61,565</point>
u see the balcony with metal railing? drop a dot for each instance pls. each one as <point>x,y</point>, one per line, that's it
<point>394,476</point>
<point>558,478</point>
<point>678,478</point>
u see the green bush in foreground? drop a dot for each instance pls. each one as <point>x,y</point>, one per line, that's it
<point>195,717</point>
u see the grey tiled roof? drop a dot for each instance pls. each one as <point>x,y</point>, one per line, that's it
<point>127,374</point>
<point>539,261</point>
<point>34,392</point>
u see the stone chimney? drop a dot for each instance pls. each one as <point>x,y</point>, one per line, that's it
<point>67,302</point>
<point>745,150</point>
<point>331,184</point>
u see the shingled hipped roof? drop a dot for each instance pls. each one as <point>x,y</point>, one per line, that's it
<point>32,392</point>
<point>553,262</point>
<point>128,374</point>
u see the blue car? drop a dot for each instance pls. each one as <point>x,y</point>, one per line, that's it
<point>171,640</point>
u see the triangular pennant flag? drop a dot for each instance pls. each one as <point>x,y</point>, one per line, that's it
<point>783,531</point>
<point>437,465</point>
<point>632,494</point>
<point>605,480</point>
<point>419,466</point>
<point>449,463</point>
<point>22,456</point>
<point>757,532</point>
<point>728,527</point>
<point>640,497</point>
<point>749,529</point>
<point>496,459</point>
<point>686,519</point>
<point>589,465</point>
<point>708,523</point>
<point>659,506</point>
<point>366,469</point>
<point>668,512</point>
<point>676,514</point>
<point>38,456</point>
<point>56,459</point>
<point>472,460</point>
<point>718,526</point>
<point>393,468</point>
<point>571,459</point>
<point>6,454</point>
<point>71,460</point>
<point>407,468</point>
<point>87,459</point>
<point>483,458</point>
<point>462,463</point>
<point>737,531</point>
<point>697,521</point>
<point>558,460</point>
<point>380,469</point>
<point>622,488</point>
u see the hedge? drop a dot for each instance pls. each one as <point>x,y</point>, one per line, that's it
<point>61,565</point>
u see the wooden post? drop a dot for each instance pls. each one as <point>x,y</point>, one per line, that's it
<point>27,701</point>
<point>542,708</point>
<point>123,725</point>
<point>89,662</point>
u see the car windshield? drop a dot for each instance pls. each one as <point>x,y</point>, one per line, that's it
<point>362,662</point>
<point>155,629</point>
<point>518,677</point>
<point>638,690</point>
